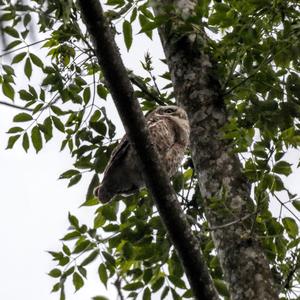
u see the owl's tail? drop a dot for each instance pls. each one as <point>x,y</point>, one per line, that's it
<point>103,194</point>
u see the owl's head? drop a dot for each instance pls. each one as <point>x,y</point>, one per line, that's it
<point>171,110</point>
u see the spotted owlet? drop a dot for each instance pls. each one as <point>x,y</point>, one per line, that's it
<point>169,132</point>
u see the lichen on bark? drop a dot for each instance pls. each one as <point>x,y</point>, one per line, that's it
<point>223,186</point>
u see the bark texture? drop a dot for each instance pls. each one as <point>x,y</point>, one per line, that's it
<point>156,178</point>
<point>222,183</point>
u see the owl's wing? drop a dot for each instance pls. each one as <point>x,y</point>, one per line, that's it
<point>118,153</point>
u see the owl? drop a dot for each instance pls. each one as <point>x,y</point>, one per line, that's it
<point>169,132</point>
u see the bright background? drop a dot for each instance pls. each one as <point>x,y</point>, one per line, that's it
<point>34,204</point>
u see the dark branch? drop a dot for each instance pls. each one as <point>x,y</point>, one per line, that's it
<point>4,53</point>
<point>118,287</point>
<point>15,106</point>
<point>156,178</point>
<point>142,86</point>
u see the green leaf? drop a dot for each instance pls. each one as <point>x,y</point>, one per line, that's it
<point>8,69</point>
<point>99,298</point>
<point>103,274</point>
<point>37,61</point>
<point>277,184</point>
<point>73,221</point>
<point>8,90</point>
<point>36,139</point>
<point>93,184</point>
<point>147,294</point>
<point>144,22</point>
<point>25,142</point>
<point>11,31</point>
<point>90,258</point>
<point>175,295</point>
<point>71,236</point>
<point>282,167</point>
<point>177,282</point>
<point>133,15</point>
<point>102,91</point>
<point>158,283</point>
<point>99,220</point>
<point>77,281</point>
<point>24,95</point>
<point>148,273</point>
<point>55,273</point>
<point>28,68</point>
<point>58,124</point>
<point>165,292</point>
<point>109,213</point>
<point>18,57</point>
<point>13,45</point>
<point>64,260</point>
<point>46,128</point>
<point>15,130</point>
<point>66,250</point>
<point>95,116</point>
<point>82,247</point>
<point>127,34</point>
<point>221,287</point>
<point>296,204</point>
<point>99,127</point>
<point>74,180</point>
<point>109,258</point>
<point>150,26</point>
<point>127,250</point>
<point>133,286</point>
<point>80,81</point>
<point>69,174</point>
<point>56,287</point>
<point>27,19</point>
<point>188,294</point>
<point>91,202</point>
<point>82,271</point>
<point>38,108</point>
<point>12,140</point>
<point>273,227</point>
<point>69,272</point>
<point>57,110</point>
<point>22,117</point>
<point>290,226</point>
<point>86,95</point>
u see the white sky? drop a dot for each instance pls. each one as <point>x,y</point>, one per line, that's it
<point>34,205</point>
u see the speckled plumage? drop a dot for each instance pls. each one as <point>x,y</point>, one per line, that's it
<point>169,132</point>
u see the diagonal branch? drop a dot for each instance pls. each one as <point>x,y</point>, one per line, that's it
<point>156,178</point>
<point>15,106</point>
<point>141,85</point>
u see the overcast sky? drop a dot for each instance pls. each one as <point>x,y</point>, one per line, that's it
<point>34,205</point>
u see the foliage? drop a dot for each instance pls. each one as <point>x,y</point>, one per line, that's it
<point>257,54</point>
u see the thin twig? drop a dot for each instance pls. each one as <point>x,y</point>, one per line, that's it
<point>230,223</point>
<point>23,47</point>
<point>277,198</point>
<point>144,89</point>
<point>15,106</point>
<point>117,284</point>
<point>265,61</point>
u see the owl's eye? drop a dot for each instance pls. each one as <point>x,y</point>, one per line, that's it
<point>170,110</point>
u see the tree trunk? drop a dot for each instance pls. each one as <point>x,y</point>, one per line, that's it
<point>157,181</point>
<point>223,186</point>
